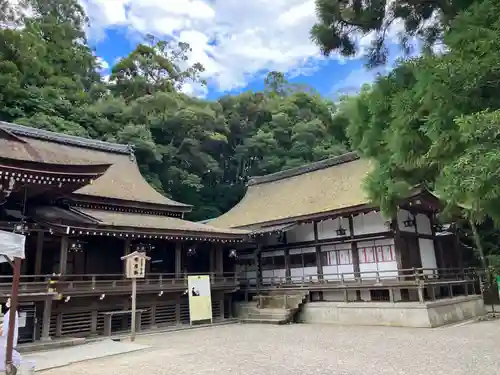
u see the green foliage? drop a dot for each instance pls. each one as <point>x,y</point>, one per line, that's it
<point>195,151</point>
<point>433,121</point>
<point>341,24</point>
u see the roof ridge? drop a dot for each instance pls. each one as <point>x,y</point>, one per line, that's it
<point>311,167</point>
<point>73,140</point>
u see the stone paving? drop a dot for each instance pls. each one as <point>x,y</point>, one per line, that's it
<point>472,349</point>
<point>62,357</point>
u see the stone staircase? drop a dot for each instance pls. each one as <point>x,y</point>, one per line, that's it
<point>275,309</point>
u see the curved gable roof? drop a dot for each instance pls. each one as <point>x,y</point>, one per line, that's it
<point>122,181</point>
<point>324,186</point>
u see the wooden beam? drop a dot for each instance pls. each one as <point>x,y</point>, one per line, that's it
<point>288,272</point>
<point>47,312</point>
<point>319,259</point>
<point>63,255</point>
<point>39,253</point>
<point>330,241</point>
<point>219,260</point>
<point>438,251</point>
<point>355,256</point>
<point>398,243</point>
<point>178,259</point>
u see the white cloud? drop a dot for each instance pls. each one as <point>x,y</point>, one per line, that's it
<point>103,64</point>
<point>353,82</point>
<point>235,40</point>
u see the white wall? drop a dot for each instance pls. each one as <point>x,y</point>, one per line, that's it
<point>427,254</point>
<point>337,260</point>
<point>328,228</point>
<point>246,268</point>
<point>423,222</point>
<point>371,222</point>
<point>377,255</point>
<point>273,275</point>
<point>301,233</point>
<point>300,274</point>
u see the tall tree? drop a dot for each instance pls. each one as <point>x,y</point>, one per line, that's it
<point>341,24</point>
<point>433,121</point>
<point>153,66</point>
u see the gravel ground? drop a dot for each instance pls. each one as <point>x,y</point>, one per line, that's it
<point>472,349</point>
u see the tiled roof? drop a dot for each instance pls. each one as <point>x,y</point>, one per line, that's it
<point>122,181</point>
<point>325,186</point>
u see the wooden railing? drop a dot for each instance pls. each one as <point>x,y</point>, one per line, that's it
<point>426,281</point>
<point>402,276</point>
<point>107,283</point>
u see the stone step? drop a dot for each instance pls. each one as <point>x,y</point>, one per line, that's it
<point>263,321</point>
<point>266,316</point>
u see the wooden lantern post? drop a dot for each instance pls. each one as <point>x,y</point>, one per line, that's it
<point>135,268</point>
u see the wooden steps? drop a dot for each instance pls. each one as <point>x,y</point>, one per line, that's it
<point>280,309</point>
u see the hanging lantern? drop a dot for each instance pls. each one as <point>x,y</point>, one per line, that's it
<point>233,254</point>
<point>410,221</point>
<point>340,231</point>
<point>76,246</point>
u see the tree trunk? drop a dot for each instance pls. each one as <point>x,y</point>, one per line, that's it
<point>479,246</point>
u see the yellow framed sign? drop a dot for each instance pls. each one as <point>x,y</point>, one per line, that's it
<point>200,299</point>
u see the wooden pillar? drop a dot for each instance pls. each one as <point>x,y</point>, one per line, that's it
<point>222,307</point>
<point>178,259</point>
<point>398,244</point>
<point>153,315</point>
<point>419,254</point>
<point>59,323</point>
<point>230,305</point>
<point>212,267</point>
<point>126,251</point>
<point>258,268</point>
<point>39,253</point>
<point>438,250</point>
<point>219,260</point>
<point>63,256</point>
<point>458,250</point>
<point>47,312</point>
<point>355,256</point>
<point>319,258</point>
<point>178,310</point>
<point>93,322</point>
<point>288,272</point>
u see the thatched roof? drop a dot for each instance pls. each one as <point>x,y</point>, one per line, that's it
<point>155,222</point>
<point>122,181</point>
<point>327,186</point>
<point>90,220</point>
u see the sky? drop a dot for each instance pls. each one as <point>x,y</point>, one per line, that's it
<point>237,41</point>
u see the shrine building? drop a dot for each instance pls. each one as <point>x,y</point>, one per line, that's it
<point>315,232</point>
<point>83,204</point>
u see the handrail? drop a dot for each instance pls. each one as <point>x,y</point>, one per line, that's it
<point>107,282</point>
<point>410,275</point>
<point>113,276</point>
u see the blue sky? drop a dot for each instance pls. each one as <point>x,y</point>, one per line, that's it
<point>237,41</point>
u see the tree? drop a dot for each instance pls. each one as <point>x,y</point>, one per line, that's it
<point>341,24</point>
<point>11,13</point>
<point>432,121</point>
<point>196,151</point>
<point>156,65</point>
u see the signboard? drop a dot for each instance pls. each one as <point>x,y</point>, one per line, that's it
<point>11,245</point>
<point>200,300</point>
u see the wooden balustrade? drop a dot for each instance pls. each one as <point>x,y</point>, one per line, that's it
<point>106,283</point>
<point>373,278</point>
